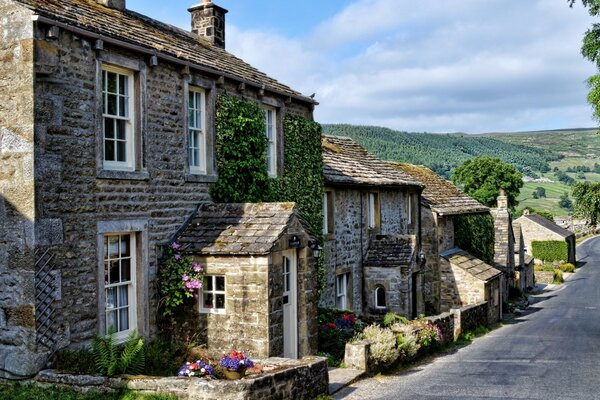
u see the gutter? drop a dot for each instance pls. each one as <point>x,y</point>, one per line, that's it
<point>165,57</point>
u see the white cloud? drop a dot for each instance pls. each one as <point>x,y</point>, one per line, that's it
<point>457,65</point>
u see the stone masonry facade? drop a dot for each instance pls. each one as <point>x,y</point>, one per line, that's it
<point>55,194</point>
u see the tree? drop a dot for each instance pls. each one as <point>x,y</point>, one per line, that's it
<point>565,202</point>
<point>483,177</point>
<point>591,51</point>
<point>541,192</point>
<point>587,201</point>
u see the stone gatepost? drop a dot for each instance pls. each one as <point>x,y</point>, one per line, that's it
<point>357,355</point>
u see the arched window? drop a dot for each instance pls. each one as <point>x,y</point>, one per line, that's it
<point>380,297</point>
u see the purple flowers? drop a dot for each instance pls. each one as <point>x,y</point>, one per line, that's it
<point>198,368</point>
<point>236,361</point>
<point>197,267</point>
<point>193,284</point>
<point>177,257</point>
<point>175,246</point>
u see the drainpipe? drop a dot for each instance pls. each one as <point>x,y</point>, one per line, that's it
<point>362,267</point>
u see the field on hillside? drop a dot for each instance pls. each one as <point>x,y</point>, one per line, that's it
<point>549,203</point>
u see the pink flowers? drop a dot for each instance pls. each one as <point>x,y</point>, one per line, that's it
<point>177,257</point>
<point>175,246</point>
<point>193,285</point>
<point>197,267</point>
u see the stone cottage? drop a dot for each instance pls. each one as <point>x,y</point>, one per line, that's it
<point>107,147</point>
<point>538,228</point>
<point>371,232</point>
<point>452,278</point>
<point>524,269</point>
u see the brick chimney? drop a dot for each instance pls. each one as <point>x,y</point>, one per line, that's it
<point>116,4</point>
<point>502,200</point>
<point>208,21</point>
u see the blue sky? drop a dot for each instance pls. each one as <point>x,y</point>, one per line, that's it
<point>437,66</point>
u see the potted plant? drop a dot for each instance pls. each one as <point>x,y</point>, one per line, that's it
<point>235,364</point>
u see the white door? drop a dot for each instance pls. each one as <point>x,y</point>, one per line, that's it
<point>290,319</point>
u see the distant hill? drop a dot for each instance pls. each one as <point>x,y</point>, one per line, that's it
<point>444,152</point>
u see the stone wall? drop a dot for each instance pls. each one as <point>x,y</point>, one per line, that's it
<point>298,379</point>
<point>470,317</point>
<point>17,193</point>
<point>75,195</point>
<point>345,249</point>
<point>445,322</point>
<point>504,247</point>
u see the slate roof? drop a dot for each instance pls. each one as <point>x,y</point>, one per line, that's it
<point>348,163</point>
<point>390,251</point>
<point>136,29</point>
<point>440,195</point>
<point>471,264</point>
<point>551,226</point>
<point>236,229</point>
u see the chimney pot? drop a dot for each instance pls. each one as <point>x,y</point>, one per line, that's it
<point>208,21</point>
<point>116,4</point>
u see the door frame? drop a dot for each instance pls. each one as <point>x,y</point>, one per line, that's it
<point>290,333</point>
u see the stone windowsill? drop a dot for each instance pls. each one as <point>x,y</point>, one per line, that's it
<point>123,175</point>
<point>201,178</point>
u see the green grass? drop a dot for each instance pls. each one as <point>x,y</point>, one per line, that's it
<point>550,202</point>
<point>19,391</point>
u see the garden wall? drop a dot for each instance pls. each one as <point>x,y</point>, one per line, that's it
<point>292,379</point>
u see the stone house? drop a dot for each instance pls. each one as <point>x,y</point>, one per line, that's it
<point>452,278</point>
<point>371,232</point>
<point>524,269</point>
<point>538,228</point>
<point>107,143</point>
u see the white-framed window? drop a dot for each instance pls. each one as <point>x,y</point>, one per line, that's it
<point>118,119</point>
<point>342,284</point>
<point>197,130</point>
<point>119,283</point>
<point>327,212</point>
<point>271,132</point>
<point>373,210</point>
<point>409,208</point>
<point>212,299</point>
<point>380,297</point>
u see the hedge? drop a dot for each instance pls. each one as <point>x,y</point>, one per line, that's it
<point>550,250</point>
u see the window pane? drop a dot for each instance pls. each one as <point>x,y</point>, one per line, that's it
<point>209,283</point>
<point>109,128</point>
<point>208,300</point>
<point>121,130</point>
<point>125,270</point>
<point>122,106</point>
<point>123,295</point>
<point>111,320</point>
<point>191,100</point>
<point>123,319</point>
<point>220,301</point>
<point>111,298</point>
<point>220,283</point>
<point>123,84</point>
<point>122,151</point>
<point>109,150</point>
<point>111,86</point>
<point>111,104</point>
<point>380,293</point>
<point>113,246</point>
<point>125,251</point>
<point>114,272</point>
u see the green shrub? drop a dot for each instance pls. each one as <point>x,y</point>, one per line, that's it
<point>406,341</point>
<point>163,358</point>
<point>567,267</point>
<point>558,276</point>
<point>79,361</point>
<point>550,250</point>
<point>383,345</point>
<point>111,359</point>
<point>475,233</point>
<point>392,318</point>
<point>336,327</point>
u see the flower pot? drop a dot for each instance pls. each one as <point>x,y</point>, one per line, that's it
<point>233,375</point>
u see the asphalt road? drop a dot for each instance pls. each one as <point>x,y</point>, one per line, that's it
<point>552,351</point>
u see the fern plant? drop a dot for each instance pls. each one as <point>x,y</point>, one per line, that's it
<point>111,359</point>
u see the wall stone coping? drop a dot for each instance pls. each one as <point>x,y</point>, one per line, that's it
<point>282,379</point>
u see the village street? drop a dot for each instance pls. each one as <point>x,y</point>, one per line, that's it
<point>550,352</point>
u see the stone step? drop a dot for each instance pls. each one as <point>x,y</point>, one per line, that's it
<point>342,377</point>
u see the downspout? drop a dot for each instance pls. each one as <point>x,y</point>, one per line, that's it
<point>362,267</point>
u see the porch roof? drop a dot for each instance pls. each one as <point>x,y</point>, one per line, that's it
<point>390,251</point>
<point>471,264</point>
<point>236,229</point>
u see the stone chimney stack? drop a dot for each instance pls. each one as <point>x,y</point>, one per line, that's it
<point>116,4</point>
<point>208,21</point>
<point>502,200</point>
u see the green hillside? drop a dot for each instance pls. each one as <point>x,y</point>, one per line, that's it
<point>443,152</point>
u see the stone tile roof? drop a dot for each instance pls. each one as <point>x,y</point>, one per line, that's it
<point>390,251</point>
<point>346,162</point>
<point>137,29</point>
<point>471,264</point>
<point>440,195</point>
<point>236,229</point>
<point>551,226</point>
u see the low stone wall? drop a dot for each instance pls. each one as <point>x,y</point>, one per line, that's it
<point>470,317</point>
<point>445,322</point>
<point>291,379</point>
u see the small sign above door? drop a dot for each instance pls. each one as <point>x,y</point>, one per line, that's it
<point>294,241</point>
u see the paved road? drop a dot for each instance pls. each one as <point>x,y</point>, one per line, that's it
<point>550,352</point>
